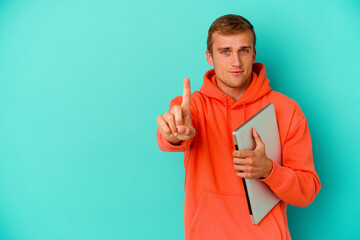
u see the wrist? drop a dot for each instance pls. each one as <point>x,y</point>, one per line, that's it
<point>174,141</point>
<point>269,167</point>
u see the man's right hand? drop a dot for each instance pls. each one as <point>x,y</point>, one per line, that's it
<point>175,125</point>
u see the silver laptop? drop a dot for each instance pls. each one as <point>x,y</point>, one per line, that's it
<point>260,197</point>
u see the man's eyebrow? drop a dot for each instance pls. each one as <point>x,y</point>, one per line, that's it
<point>224,48</point>
<point>243,47</point>
<point>227,48</point>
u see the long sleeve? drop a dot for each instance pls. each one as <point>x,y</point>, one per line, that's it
<point>296,181</point>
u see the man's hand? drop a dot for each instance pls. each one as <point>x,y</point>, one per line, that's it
<point>175,125</point>
<point>252,163</point>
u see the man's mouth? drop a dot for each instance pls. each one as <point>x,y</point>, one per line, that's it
<point>236,73</point>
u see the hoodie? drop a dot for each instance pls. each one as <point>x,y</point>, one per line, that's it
<point>215,201</point>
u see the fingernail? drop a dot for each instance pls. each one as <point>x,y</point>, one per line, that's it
<point>175,134</point>
<point>171,135</point>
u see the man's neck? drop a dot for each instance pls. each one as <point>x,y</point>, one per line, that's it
<point>234,92</point>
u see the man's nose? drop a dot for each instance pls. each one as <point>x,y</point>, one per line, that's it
<point>236,61</point>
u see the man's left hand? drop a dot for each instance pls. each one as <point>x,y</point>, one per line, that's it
<point>252,163</point>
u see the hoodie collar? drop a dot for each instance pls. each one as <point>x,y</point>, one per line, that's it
<point>259,87</point>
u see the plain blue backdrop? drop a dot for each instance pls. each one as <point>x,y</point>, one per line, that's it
<point>81,85</point>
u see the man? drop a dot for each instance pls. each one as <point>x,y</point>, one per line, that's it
<point>201,126</point>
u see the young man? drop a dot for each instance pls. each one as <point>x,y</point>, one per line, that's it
<point>201,126</point>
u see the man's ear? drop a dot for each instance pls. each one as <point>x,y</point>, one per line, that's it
<point>209,58</point>
<point>254,56</point>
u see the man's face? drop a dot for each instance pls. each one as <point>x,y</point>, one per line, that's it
<point>232,57</point>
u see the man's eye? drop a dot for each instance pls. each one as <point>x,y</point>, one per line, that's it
<point>225,52</point>
<point>244,51</point>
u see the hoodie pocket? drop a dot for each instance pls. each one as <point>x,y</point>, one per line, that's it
<point>226,216</point>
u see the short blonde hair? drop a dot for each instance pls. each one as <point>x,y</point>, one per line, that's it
<point>228,25</point>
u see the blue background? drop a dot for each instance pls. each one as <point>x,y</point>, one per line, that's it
<point>81,85</point>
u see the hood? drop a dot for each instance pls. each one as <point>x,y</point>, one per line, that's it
<point>259,87</point>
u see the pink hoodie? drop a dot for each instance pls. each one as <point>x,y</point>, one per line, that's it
<point>215,202</point>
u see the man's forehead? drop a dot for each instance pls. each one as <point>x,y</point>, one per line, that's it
<point>241,39</point>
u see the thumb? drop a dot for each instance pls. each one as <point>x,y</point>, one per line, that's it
<point>186,132</point>
<point>258,140</point>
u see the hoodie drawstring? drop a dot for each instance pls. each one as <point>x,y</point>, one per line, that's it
<point>230,140</point>
<point>228,126</point>
<point>244,106</point>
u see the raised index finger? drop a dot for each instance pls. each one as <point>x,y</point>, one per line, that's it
<point>186,94</point>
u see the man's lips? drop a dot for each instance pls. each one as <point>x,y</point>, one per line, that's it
<point>236,72</point>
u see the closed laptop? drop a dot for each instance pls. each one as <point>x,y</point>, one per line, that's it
<point>261,199</point>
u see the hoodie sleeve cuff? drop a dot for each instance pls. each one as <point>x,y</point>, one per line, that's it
<point>279,178</point>
<point>166,146</point>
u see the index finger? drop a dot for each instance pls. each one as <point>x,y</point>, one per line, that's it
<point>186,94</point>
<point>242,153</point>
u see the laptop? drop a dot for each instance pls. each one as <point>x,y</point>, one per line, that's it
<point>260,198</point>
